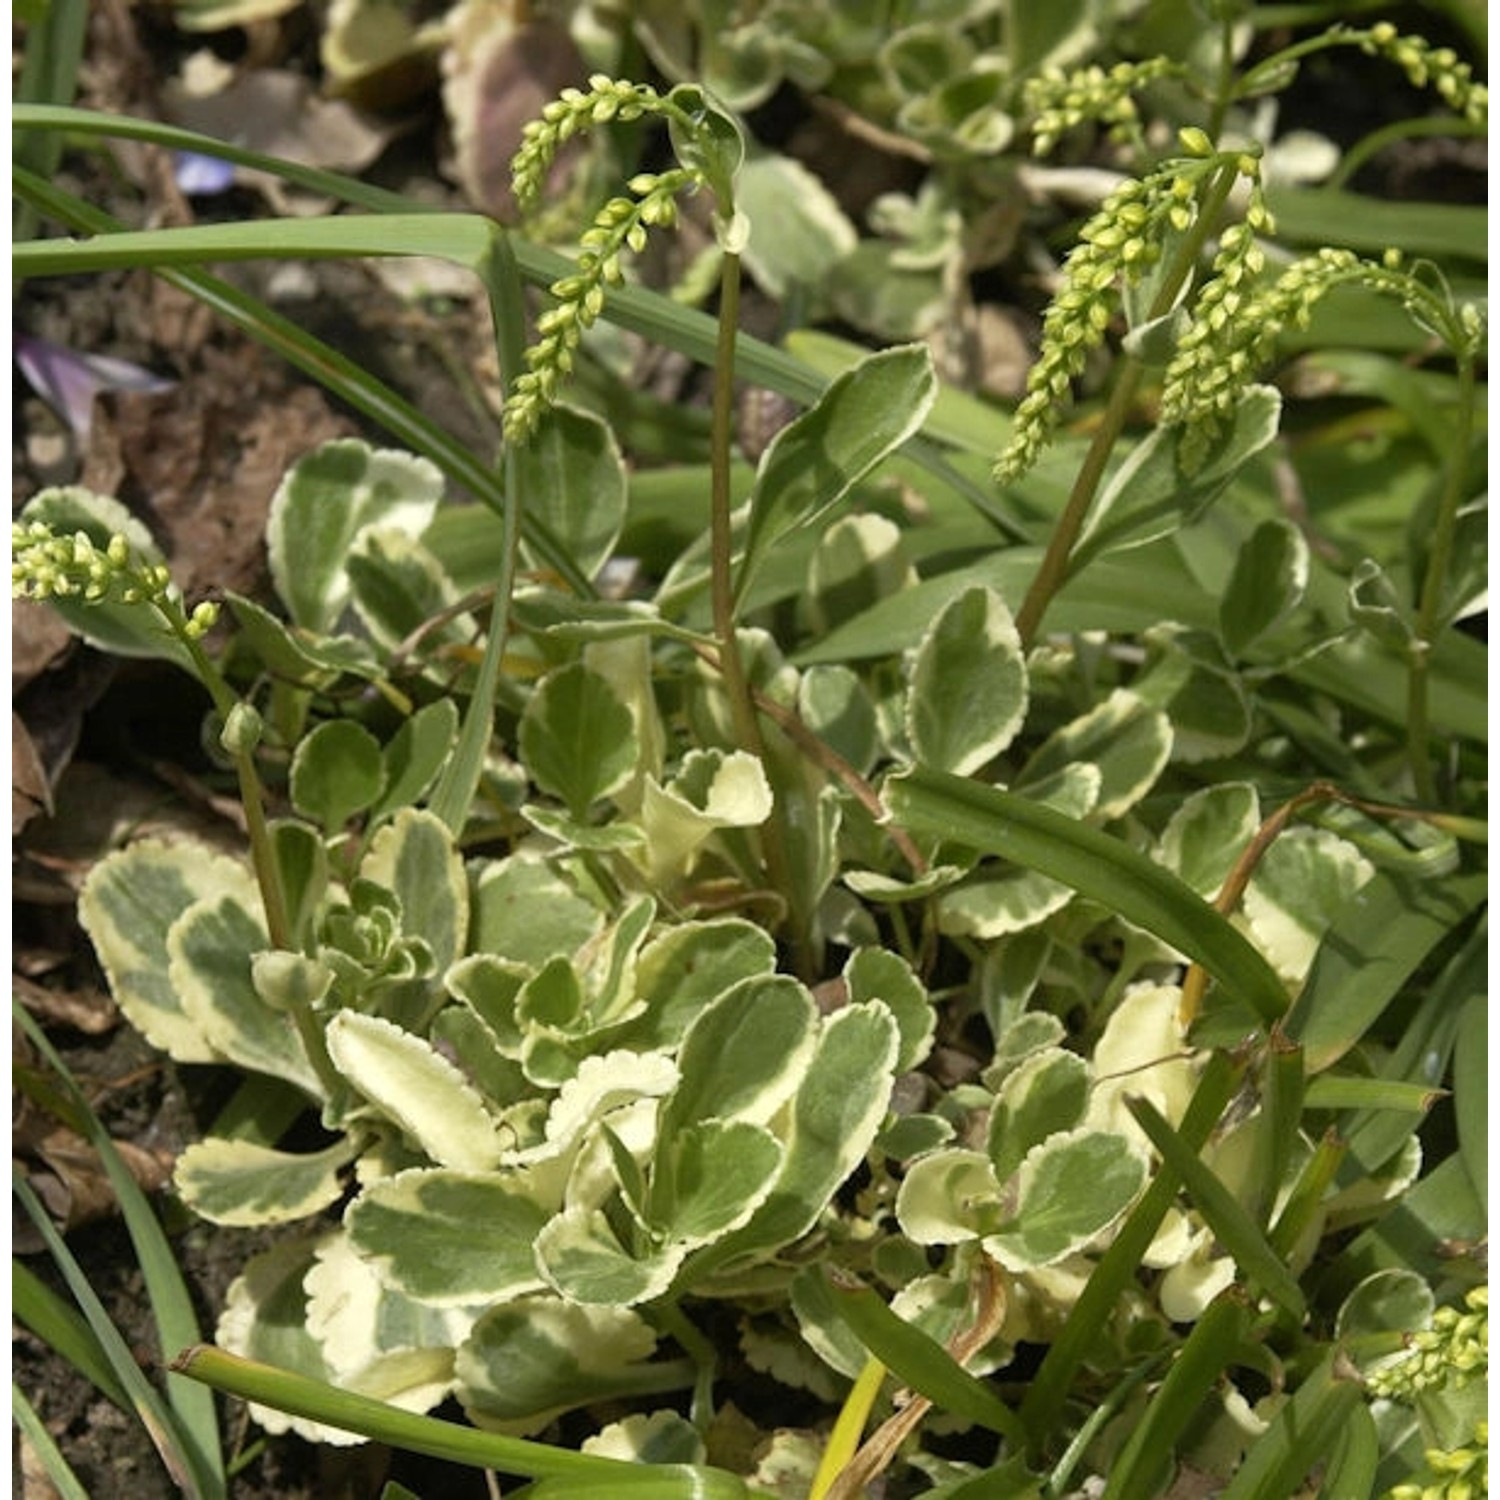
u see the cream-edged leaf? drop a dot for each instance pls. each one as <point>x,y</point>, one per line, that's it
<point>415,1086</point>
<point>127,906</point>
<point>240,1183</point>
<point>450,1238</point>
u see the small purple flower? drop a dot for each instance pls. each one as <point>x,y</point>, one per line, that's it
<point>202,176</point>
<point>68,381</point>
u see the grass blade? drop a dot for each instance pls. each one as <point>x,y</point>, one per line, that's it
<point>63,1330</point>
<point>171,1305</point>
<point>63,1479</point>
<point>1145,1461</point>
<point>1094,864</point>
<point>1042,1408</point>
<point>1233,1227</point>
<point>1303,1433</point>
<point>920,1362</point>
<point>186,1469</point>
<point>303,1397</point>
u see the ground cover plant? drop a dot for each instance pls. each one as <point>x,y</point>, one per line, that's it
<point>931,945</point>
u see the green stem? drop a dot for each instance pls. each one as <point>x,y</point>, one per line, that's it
<point>1053,571</point>
<point>1418,733</point>
<point>737,688</point>
<point>252,794</point>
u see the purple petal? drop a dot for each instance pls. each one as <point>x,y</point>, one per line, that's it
<point>68,381</point>
<point>203,176</point>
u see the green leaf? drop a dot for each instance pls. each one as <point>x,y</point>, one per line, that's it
<point>397,587</point>
<point>297,656</point>
<point>863,417</point>
<point>1207,832</point>
<point>1267,584</point>
<point>878,974</point>
<point>1471,1093</point>
<point>337,771</point>
<point>416,1087</point>
<point>577,738</point>
<point>837,1109</point>
<point>1126,738</point>
<point>527,913</point>
<point>529,1360</point>
<point>449,1237</point>
<point>1070,1189</point>
<point>744,1054</point>
<point>1302,1434</point>
<point>798,232</point>
<point>413,856</point>
<point>989,906</point>
<point>323,504</point>
<point>210,953</point>
<point>711,790</point>
<point>414,757</point>
<point>128,903</point>
<point>1045,1094</point>
<point>1190,680</point>
<point>709,1177</point>
<point>945,1198</point>
<point>238,1183</point>
<point>121,629</point>
<point>968,688</point>
<point>1150,495</point>
<point>688,966</point>
<point>1102,868</point>
<point>835,705</point>
<point>579,484</point>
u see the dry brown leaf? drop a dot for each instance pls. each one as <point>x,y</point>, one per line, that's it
<point>497,78</point>
<point>90,1011</point>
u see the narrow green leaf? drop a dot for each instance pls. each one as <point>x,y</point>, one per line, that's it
<point>332,1407</point>
<point>197,1474</point>
<point>1233,1227</point>
<point>918,1359</point>
<point>1090,862</point>
<point>63,1480</point>
<point>1303,1433</point>
<point>1145,1463</point>
<point>63,1330</point>
<point>1043,1407</point>
<point>1471,1093</point>
<point>1373,947</point>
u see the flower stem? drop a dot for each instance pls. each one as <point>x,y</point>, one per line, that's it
<point>731,664</point>
<point>1053,571</point>
<point>1418,736</point>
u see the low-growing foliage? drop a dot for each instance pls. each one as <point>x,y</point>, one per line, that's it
<point>977,953</point>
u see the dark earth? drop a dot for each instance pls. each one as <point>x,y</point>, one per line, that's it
<point>102,748</point>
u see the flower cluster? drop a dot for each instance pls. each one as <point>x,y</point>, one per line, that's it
<point>1216,351</point>
<point>574,110</point>
<point>1120,242</point>
<point>619,226</point>
<point>1453,1352</point>
<point>1061,101</point>
<point>1462,1474</point>
<point>1435,67</point>
<point>47,565</point>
